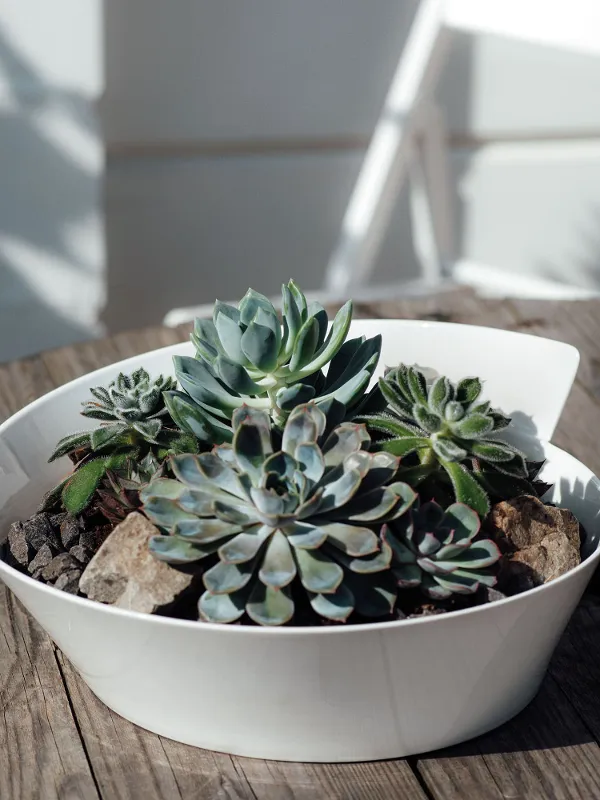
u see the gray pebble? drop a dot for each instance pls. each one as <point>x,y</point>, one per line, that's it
<point>58,565</point>
<point>69,581</point>
<point>39,532</point>
<point>81,553</point>
<point>17,544</point>
<point>69,532</point>
<point>41,560</point>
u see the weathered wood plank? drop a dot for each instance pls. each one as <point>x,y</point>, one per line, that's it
<point>21,382</point>
<point>41,754</point>
<point>576,664</point>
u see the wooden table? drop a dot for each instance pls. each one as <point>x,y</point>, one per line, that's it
<point>58,741</point>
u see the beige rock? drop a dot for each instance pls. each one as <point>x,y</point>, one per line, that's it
<point>541,542</point>
<point>124,573</point>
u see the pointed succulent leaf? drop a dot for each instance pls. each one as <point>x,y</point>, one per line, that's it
<point>448,450</point>
<point>226,578</point>
<point>311,461</point>
<point>426,419</point>
<point>304,535</point>
<point>318,572</point>
<point>405,445</point>
<point>79,490</point>
<point>468,390</point>
<point>69,444</point>
<point>466,488</point>
<point>200,382</point>
<point>408,576</point>
<point>174,550</point>
<point>375,595</point>
<point>245,546</point>
<point>473,426</point>
<point>251,448</point>
<point>417,385</point>
<point>342,359</point>
<point>340,491</point>
<point>299,299</point>
<point>495,452</point>
<point>364,358</point>
<point>463,521</point>
<point>353,540</point>
<point>278,566</point>
<point>235,376</point>
<point>204,531</point>
<point>399,401</point>
<point>305,424</point>
<point>336,606</point>
<point>454,411</point>
<point>250,304</point>
<point>292,322</point>
<point>189,416</point>
<point>269,606</point>
<point>345,439</point>
<point>222,607</point>
<point>317,311</point>
<point>288,397</point>
<point>260,346</point>
<point>334,340</point>
<point>439,394</point>
<point>148,429</point>
<point>206,340</point>
<point>305,346</point>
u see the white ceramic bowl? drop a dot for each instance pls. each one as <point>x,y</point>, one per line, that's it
<point>363,692</point>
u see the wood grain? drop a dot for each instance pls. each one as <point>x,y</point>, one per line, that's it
<point>41,753</point>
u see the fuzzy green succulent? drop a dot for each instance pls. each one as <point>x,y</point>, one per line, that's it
<point>245,356</point>
<point>445,433</point>
<point>280,514</point>
<point>134,424</point>
<point>437,550</point>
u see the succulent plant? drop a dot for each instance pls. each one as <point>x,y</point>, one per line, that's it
<point>244,356</point>
<point>450,434</point>
<point>134,423</point>
<point>131,409</point>
<point>280,521</point>
<point>118,493</point>
<point>438,551</point>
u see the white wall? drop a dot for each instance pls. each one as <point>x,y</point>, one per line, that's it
<point>51,163</point>
<point>235,131</point>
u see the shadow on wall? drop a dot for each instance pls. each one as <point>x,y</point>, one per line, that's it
<point>583,266</point>
<point>49,268</point>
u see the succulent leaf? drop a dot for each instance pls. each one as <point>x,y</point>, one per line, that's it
<point>283,518</point>
<point>447,436</point>
<point>439,550</point>
<point>245,356</point>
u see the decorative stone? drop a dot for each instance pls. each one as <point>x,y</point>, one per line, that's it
<point>59,564</point>
<point>39,532</point>
<point>81,553</point>
<point>69,532</point>
<point>69,581</point>
<point>124,573</point>
<point>42,559</point>
<point>540,542</point>
<point>17,544</point>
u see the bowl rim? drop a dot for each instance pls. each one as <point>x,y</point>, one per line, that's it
<point>255,630</point>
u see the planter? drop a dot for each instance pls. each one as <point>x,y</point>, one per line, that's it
<point>360,692</point>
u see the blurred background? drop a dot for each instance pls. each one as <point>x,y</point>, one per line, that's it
<point>158,155</point>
